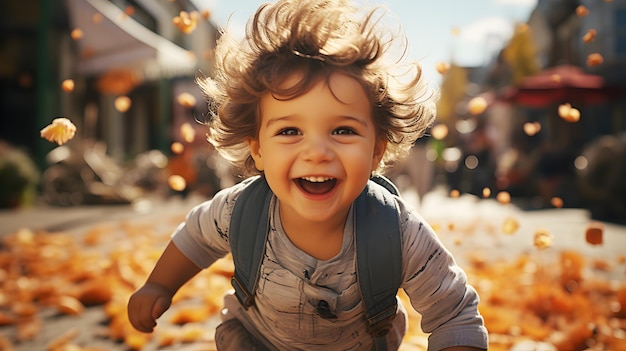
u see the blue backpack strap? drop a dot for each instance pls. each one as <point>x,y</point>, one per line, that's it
<point>249,228</point>
<point>379,256</point>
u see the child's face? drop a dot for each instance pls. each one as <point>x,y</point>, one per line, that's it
<point>317,150</point>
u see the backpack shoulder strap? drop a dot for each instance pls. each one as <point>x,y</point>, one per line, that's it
<point>379,255</point>
<point>386,183</point>
<point>247,237</point>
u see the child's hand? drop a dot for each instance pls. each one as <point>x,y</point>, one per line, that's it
<point>146,305</point>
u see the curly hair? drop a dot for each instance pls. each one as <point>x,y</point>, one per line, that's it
<point>315,39</point>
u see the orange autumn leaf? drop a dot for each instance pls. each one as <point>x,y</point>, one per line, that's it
<point>67,85</point>
<point>590,35</point>
<point>186,21</point>
<point>582,11</point>
<point>594,59</point>
<point>122,103</point>
<point>177,182</point>
<point>594,233</point>
<point>569,113</point>
<point>477,105</point>
<point>442,67</point>
<point>76,34</point>
<point>543,239</point>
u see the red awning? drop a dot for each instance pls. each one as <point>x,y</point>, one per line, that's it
<point>559,84</point>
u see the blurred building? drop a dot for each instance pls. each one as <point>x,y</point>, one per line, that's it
<point>568,52</point>
<point>578,49</point>
<point>558,28</point>
<point>109,48</point>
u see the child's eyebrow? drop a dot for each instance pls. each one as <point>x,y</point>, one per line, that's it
<point>273,120</point>
<point>288,118</point>
<point>359,120</point>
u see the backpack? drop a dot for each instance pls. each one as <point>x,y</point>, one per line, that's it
<point>378,248</point>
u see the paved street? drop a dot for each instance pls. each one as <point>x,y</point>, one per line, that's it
<point>470,227</point>
<point>72,218</point>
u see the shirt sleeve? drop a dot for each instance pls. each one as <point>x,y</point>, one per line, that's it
<point>438,288</point>
<point>203,236</point>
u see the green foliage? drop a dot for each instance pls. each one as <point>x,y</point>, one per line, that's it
<point>19,178</point>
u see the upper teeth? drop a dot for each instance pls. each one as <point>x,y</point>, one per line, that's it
<point>317,179</point>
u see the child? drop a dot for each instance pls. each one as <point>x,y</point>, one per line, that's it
<point>311,100</point>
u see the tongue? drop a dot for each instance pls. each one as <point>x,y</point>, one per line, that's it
<point>317,188</point>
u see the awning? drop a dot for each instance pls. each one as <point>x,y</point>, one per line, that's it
<point>120,42</point>
<point>557,85</point>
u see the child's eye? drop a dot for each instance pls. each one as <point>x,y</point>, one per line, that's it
<point>344,131</point>
<point>289,131</point>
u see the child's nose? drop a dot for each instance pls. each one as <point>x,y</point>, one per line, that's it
<point>317,149</point>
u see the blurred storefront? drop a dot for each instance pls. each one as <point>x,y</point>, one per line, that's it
<point>109,48</point>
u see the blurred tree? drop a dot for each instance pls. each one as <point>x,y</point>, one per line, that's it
<point>521,54</point>
<point>453,88</point>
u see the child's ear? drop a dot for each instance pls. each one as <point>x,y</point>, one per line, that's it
<point>255,152</point>
<point>379,151</point>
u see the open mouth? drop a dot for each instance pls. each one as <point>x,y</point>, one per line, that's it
<point>316,185</point>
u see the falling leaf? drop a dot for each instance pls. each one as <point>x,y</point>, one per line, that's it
<point>590,36</point>
<point>97,18</point>
<point>442,67</point>
<point>122,103</point>
<point>477,105</point>
<point>532,128</point>
<point>177,148</point>
<point>486,192</point>
<point>177,182</point>
<point>186,21</point>
<point>67,85</point>
<point>594,233</point>
<point>582,11</point>
<point>569,113</point>
<point>59,131</point>
<point>510,225</point>
<point>187,132</point>
<point>594,59</point>
<point>186,100</point>
<point>503,197</point>
<point>556,202</point>
<point>76,34</point>
<point>129,10</point>
<point>439,131</point>
<point>543,239</point>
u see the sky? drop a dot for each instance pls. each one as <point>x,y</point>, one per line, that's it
<point>481,26</point>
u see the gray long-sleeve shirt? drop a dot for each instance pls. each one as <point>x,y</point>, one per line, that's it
<point>292,283</point>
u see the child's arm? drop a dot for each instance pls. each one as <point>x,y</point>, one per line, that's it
<point>438,289</point>
<point>149,302</point>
